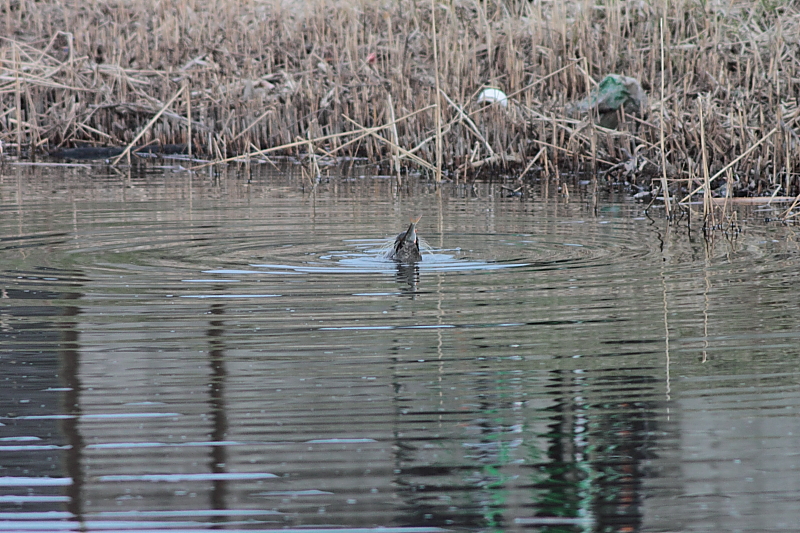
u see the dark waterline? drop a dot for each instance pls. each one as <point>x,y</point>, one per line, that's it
<point>235,352</point>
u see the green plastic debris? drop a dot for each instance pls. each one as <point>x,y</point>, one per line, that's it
<point>613,92</point>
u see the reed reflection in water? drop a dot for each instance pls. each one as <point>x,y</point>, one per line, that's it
<point>183,352</point>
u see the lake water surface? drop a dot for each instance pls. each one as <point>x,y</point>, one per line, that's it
<point>232,351</point>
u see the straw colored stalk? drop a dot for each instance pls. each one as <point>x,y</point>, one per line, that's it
<point>266,73</point>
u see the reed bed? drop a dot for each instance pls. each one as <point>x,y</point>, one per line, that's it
<point>357,78</point>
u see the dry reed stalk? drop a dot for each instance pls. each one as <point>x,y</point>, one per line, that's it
<point>18,100</point>
<point>708,212</point>
<point>48,164</point>
<point>788,212</point>
<point>729,165</point>
<point>252,124</point>
<point>532,162</point>
<point>395,139</point>
<point>188,94</point>
<point>592,124</point>
<point>753,200</point>
<point>360,134</point>
<point>465,118</point>
<point>664,183</point>
<point>403,152</point>
<point>97,76</point>
<point>127,151</point>
<point>312,154</point>
<point>438,175</point>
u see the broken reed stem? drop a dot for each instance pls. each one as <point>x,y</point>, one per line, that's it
<point>252,124</point>
<point>127,151</point>
<point>533,161</point>
<point>404,153</point>
<point>438,175</point>
<point>729,165</point>
<point>664,183</point>
<point>463,117</point>
<point>362,132</point>
<point>788,213</point>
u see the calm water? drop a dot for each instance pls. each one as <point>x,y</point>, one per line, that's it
<point>233,352</point>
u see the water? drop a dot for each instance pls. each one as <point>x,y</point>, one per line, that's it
<point>234,352</point>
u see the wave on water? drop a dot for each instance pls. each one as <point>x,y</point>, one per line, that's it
<point>373,257</point>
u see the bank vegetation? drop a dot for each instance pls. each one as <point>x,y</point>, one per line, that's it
<point>398,82</point>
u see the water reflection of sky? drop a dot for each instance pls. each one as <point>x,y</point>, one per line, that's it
<point>574,373</point>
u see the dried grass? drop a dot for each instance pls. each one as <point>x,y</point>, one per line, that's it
<point>286,76</point>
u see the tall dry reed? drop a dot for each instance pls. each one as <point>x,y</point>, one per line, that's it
<point>264,74</point>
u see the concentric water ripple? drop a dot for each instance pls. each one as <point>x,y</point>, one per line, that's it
<point>204,352</point>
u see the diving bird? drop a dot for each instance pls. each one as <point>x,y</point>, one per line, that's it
<point>406,245</point>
